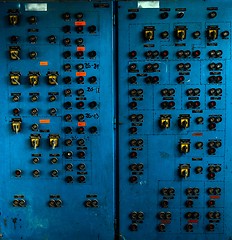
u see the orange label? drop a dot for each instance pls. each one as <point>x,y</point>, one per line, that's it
<point>197,134</point>
<point>80,74</point>
<point>81,124</point>
<point>80,23</point>
<point>43,63</point>
<point>44,121</point>
<point>81,49</point>
<point>214,197</point>
<point>193,221</point>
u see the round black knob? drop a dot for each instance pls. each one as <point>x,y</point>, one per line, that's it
<point>225,34</point>
<point>32,55</point>
<point>79,29</point>
<point>79,41</point>
<point>67,67</point>
<point>67,92</point>
<point>66,29</point>
<point>67,80</point>
<point>14,39</point>
<point>67,54</point>
<point>93,129</point>
<point>164,35</point>
<point>79,15</point>
<point>68,130</point>
<point>80,105</point>
<point>32,39</point>
<point>93,104</point>
<point>164,15</point>
<point>67,105</point>
<point>92,54</point>
<point>80,80</point>
<point>180,15</point>
<point>66,16</point>
<point>212,14</point>
<point>67,41</point>
<point>68,179</point>
<point>80,142</point>
<point>196,34</point>
<point>92,79</point>
<point>52,39</point>
<point>80,117</point>
<point>68,142</point>
<point>132,54</point>
<point>132,16</point>
<point>80,92</point>
<point>92,29</point>
<point>68,154</point>
<point>32,20</point>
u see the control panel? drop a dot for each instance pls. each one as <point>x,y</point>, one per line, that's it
<point>57,133</point>
<point>174,120</point>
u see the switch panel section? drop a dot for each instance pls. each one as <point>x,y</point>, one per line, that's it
<point>57,134</point>
<point>175,120</point>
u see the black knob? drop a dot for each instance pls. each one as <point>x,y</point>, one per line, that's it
<point>80,92</point>
<point>92,54</point>
<point>79,54</point>
<point>67,54</point>
<point>132,16</point>
<point>14,39</point>
<point>67,105</point>
<point>132,54</point>
<point>81,154</point>
<point>80,142</point>
<point>79,41</point>
<point>164,15</point>
<point>80,80</point>
<point>52,39</point>
<point>80,66</point>
<point>164,54</point>
<point>196,53</point>
<point>67,41</point>
<point>164,35</point>
<point>93,129</point>
<point>180,15</point>
<point>80,130</point>
<point>68,130</point>
<point>212,14</point>
<point>67,80</point>
<point>67,67</point>
<point>79,29</point>
<point>66,16</point>
<point>180,54</point>
<point>92,79</point>
<point>132,80</point>
<point>80,117</point>
<point>67,92</point>
<point>225,34</point>
<point>32,55</point>
<point>68,154</point>
<point>92,29</point>
<point>79,15</point>
<point>66,29</point>
<point>68,142</point>
<point>93,104</point>
<point>32,20</point>
<point>196,34</point>
<point>80,105</point>
<point>68,118</point>
<point>68,179</point>
<point>32,39</point>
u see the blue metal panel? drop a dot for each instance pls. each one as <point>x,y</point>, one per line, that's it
<point>165,194</point>
<point>53,190</point>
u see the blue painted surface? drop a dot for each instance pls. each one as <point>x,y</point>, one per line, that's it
<point>72,220</point>
<point>159,152</point>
